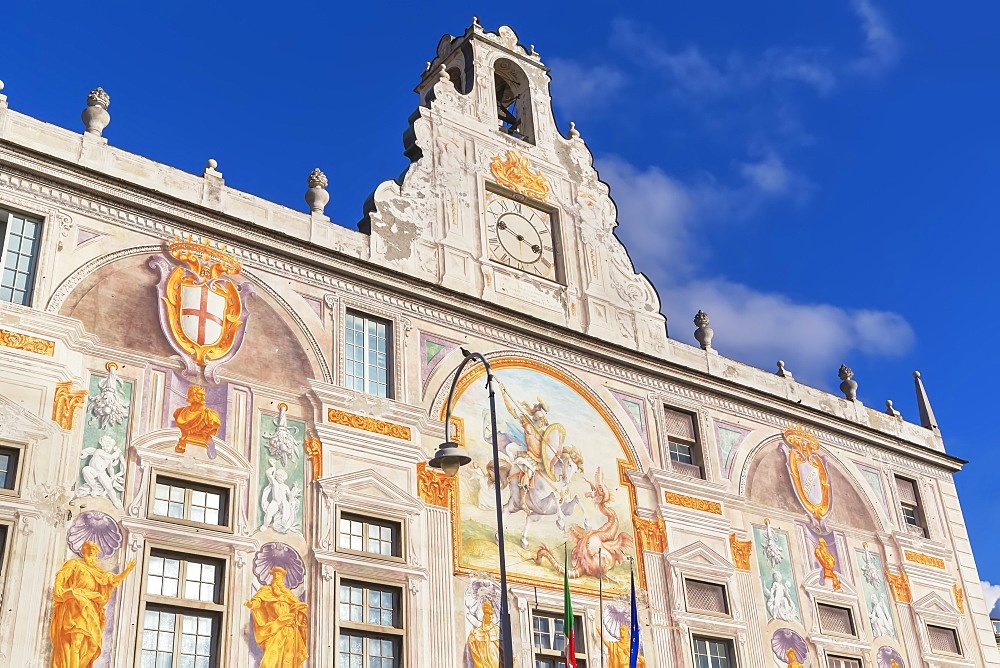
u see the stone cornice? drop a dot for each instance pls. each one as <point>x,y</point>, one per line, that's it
<point>309,263</point>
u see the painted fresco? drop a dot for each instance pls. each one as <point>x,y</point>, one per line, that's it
<point>281,472</point>
<point>561,454</point>
<point>776,577</point>
<point>101,471</point>
<point>875,594</point>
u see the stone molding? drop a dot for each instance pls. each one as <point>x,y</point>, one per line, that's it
<point>113,212</point>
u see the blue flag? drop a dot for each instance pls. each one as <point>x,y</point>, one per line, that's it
<point>633,658</point>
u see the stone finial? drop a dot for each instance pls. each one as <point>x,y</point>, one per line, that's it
<point>573,132</point>
<point>443,76</point>
<point>98,98</point>
<point>889,410</point>
<point>782,371</point>
<point>849,386</point>
<point>96,117</point>
<point>3,98</point>
<point>704,333</point>
<point>317,197</point>
<point>927,419</point>
<point>211,168</point>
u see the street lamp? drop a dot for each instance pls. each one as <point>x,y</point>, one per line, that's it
<point>449,458</point>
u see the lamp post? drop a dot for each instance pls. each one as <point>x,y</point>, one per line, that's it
<point>449,458</point>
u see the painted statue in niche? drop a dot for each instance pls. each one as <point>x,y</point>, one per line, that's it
<point>101,473</point>
<point>875,593</point>
<point>823,553</point>
<point>203,310</point>
<point>281,481</point>
<point>280,623</point>
<point>809,475</point>
<point>790,649</point>
<point>887,657</point>
<point>82,591</point>
<point>279,617</point>
<point>561,457</point>
<point>617,640</point>
<point>198,423</point>
<point>482,607</point>
<point>777,580</point>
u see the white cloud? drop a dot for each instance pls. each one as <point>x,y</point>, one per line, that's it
<point>582,88</point>
<point>881,49</point>
<point>659,216</point>
<point>690,72</point>
<point>991,592</point>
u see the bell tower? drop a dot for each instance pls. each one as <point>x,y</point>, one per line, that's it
<point>498,204</point>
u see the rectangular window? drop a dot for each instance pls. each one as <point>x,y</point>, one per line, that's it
<point>366,534</point>
<point>549,640</point>
<point>843,662</point>
<point>909,503</point>
<point>713,653</point>
<point>943,640</point>
<point>682,441</point>
<point>20,237</point>
<point>371,625</point>
<point>8,467</point>
<point>996,626</point>
<point>367,355</point>
<point>182,500</point>
<point>181,622</point>
<point>706,597</point>
<point>836,620</point>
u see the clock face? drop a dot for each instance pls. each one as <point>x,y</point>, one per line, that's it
<point>520,236</point>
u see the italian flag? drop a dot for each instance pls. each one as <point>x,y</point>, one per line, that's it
<point>568,616</point>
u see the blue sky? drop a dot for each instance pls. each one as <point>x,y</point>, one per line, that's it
<point>819,177</point>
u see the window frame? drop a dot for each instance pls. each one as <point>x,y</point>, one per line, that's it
<point>33,274</point>
<point>579,620</point>
<point>19,452</point>
<point>178,605</point>
<point>850,617</point>
<point>390,351</point>
<point>951,629</point>
<point>725,598</point>
<point>190,485</point>
<point>6,533</point>
<point>856,662</point>
<point>366,630</point>
<point>727,641</point>
<point>367,519</point>
<point>919,529</point>
<point>694,445</point>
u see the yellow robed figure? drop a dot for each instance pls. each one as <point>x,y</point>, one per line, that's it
<point>81,592</point>
<point>619,651</point>
<point>280,623</point>
<point>484,641</point>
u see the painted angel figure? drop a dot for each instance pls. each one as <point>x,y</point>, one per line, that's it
<point>104,473</point>
<point>881,618</point>
<point>281,442</point>
<point>279,501</point>
<point>107,408</point>
<point>779,600</point>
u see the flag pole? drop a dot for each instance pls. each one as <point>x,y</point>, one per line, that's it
<point>600,598</point>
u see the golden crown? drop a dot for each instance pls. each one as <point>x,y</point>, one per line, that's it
<point>801,439</point>
<point>203,257</point>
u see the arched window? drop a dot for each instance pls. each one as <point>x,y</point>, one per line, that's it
<point>513,101</point>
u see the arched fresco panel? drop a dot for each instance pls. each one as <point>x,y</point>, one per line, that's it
<point>565,492</point>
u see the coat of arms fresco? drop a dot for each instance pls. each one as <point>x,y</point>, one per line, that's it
<point>565,495</point>
<point>202,307</point>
